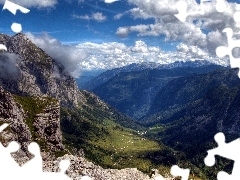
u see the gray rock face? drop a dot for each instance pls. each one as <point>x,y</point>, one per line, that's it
<point>36,73</point>
<point>45,127</point>
<point>12,113</point>
<point>81,167</point>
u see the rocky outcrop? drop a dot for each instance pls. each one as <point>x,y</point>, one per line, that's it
<point>13,114</point>
<point>81,167</point>
<point>45,128</point>
<point>36,73</point>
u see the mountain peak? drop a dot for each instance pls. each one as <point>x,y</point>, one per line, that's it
<point>36,73</point>
<point>21,36</point>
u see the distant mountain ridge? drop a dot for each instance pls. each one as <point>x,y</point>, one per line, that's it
<point>134,92</point>
<point>105,76</point>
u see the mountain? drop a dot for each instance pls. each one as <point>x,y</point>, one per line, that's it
<point>190,105</point>
<point>31,119</point>
<point>38,119</point>
<point>28,70</point>
<point>87,76</point>
<point>105,76</point>
<point>41,102</point>
<point>201,106</point>
<point>183,92</point>
<point>134,92</point>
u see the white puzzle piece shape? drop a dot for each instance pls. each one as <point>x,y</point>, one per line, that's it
<point>227,150</point>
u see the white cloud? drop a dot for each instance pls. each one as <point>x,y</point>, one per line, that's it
<point>139,13</point>
<point>192,32</point>
<point>98,16</point>
<point>33,3</point>
<point>113,55</point>
<point>119,16</point>
<point>136,13</point>
<point>69,56</point>
<point>89,56</point>
<point>123,31</point>
<point>8,66</point>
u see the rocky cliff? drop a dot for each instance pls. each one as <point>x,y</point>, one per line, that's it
<point>35,73</point>
<point>44,128</point>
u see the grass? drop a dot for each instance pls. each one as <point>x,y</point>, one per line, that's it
<point>108,144</point>
<point>123,140</point>
<point>33,106</point>
<point>125,148</point>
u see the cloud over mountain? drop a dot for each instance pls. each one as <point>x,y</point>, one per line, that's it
<point>69,56</point>
<point>8,66</point>
<point>88,55</point>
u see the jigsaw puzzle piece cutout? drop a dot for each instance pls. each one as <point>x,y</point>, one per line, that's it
<point>182,15</point>
<point>177,171</point>
<point>86,178</point>
<point>8,165</point>
<point>182,11</point>
<point>223,176</point>
<point>227,150</point>
<point>4,125</point>
<point>64,164</point>
<point>3,47</point>
<point>210,159</point>
<point>222,51</point>
<point>33,168</point>
<point>236,17</point>
<point>221,6</point>
<point>12,7</point>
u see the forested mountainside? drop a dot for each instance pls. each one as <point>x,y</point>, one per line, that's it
<point>195,108</point>
<point>185,112</point>
<point>135,92</point>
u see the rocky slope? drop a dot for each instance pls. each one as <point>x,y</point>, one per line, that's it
<point>12,113</point>
<point>81,167</point>
<point>35,73</point>
<point>44,128</point>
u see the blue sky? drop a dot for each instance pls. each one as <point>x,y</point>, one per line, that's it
<point>98,35</point>
<point>63,21</point>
